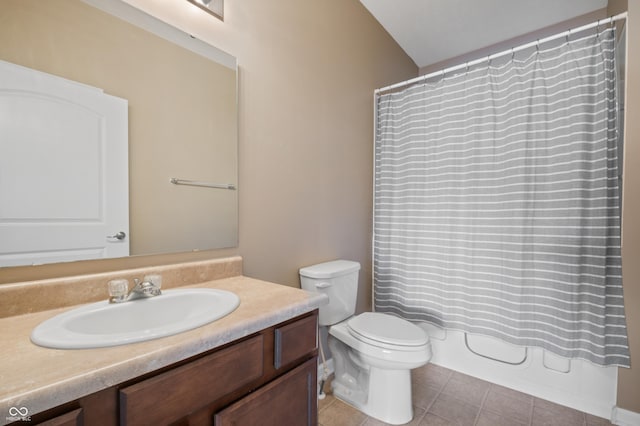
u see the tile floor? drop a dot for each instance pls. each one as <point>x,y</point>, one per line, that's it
<point>442,397</point>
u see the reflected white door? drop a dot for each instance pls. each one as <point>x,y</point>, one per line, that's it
<point>63,170</point>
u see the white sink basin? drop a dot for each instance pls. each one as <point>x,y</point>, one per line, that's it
<point>103,324</point>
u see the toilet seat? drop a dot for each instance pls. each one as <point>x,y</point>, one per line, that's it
<point>387,331</point>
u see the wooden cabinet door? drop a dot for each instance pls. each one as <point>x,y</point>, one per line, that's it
<point>288,400</point>
<point>295,340</point>
<point>73,418</point>
<point>172,395</point>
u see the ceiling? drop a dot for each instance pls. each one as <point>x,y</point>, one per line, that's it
<point>431,31</point>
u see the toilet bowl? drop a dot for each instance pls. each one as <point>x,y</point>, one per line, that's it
<point>373,352</point>
<point>387,341</point>
<point>373,371</point>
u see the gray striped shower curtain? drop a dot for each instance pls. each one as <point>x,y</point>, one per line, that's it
<point>497,201</point>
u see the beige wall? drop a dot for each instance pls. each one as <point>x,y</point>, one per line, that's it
<point>629,379</point>
<point>307,75</point>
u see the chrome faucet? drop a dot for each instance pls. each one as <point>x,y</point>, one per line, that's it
<point>119,290</point>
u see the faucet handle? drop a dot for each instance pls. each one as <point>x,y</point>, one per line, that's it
<point>155,279</point>
<point>118,288</point>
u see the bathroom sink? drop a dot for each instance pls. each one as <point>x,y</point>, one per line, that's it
<point>105,324</point>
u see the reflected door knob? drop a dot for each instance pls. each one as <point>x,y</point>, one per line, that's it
<point>119,236</point>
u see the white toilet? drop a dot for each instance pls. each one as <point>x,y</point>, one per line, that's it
<point>373,353</point>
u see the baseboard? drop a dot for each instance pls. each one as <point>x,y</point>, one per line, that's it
<point>622,417</point>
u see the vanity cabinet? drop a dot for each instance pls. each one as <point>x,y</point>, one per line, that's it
<point>72,418</point>
<point>267,378</point>
<point>166,397</point>
<point>288,400</point>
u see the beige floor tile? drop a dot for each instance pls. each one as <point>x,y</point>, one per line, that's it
<point>597,421</point>
<point>323,403</point>
<point>513,394</point>
<point>510,404</point>
<point>423,395</point>
<point>487,418</point>
<point>418,413</point>
<point>340,414</point>
<point>547,413</point>
<point>432,375</point>
<point>455,410</point>
<point>433,420</point>
<point>467,388</point>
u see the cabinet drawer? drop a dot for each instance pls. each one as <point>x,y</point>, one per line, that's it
<point>170,395</point>
<point>288,400</point>
<point>295,340</point>
<point>73,418</point>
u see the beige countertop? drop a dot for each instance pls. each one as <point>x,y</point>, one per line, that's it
<point>40,378</point>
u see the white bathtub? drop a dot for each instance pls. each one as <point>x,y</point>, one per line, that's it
<point>574,383</point>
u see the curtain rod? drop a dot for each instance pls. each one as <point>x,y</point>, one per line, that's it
<point>488,58</point>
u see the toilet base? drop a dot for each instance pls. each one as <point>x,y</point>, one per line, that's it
<point>388,397</point>
<point>374,379</point>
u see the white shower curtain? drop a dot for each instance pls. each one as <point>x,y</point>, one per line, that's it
<point>497,202</point>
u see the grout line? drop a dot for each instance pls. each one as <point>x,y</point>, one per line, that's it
<point>533,401</point>
<point>327,405</point>
<point>433,401</point>
<point>419,420</point>
<point>484,399</point>
<point>528,420</point>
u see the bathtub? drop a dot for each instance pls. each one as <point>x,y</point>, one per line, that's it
<point>574,383</point>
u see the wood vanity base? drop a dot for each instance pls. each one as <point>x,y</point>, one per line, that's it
<point>266,379</point>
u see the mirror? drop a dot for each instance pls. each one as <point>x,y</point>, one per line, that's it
<point>182,97</point>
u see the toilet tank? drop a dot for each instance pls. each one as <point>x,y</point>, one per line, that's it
<point>338,279</point>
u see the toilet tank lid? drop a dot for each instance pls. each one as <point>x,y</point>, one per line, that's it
<point>331,269</point>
